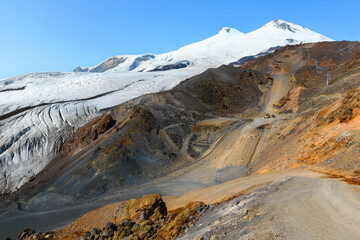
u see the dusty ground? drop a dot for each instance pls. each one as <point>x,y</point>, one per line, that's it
<point>288,204</point>
<point>215,194</point>
<point>292,207</point>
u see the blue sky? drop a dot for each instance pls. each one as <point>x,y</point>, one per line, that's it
<point>59,35</point>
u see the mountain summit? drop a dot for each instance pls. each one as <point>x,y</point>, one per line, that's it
<point>286,26</point>
<point>228,30</point>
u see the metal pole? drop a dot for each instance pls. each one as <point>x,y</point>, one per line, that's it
<point>328,76</point>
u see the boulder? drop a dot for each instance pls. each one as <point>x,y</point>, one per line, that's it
<point>150,206</point>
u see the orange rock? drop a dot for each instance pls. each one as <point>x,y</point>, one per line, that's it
<point>150,206</point>
<point>87,134</point>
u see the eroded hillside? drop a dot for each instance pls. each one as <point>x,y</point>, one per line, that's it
<point>321,129</point>
<point>150,136</point>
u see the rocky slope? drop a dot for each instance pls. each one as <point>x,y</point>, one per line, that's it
<point>148,137</point>
<point>324,118</point>
<point>210,129</point>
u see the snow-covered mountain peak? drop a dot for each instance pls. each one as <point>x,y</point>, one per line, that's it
<point>228,30</point>
<point>228,45</point>
<point>286,26</point>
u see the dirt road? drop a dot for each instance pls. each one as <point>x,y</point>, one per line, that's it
<point>291,207</point>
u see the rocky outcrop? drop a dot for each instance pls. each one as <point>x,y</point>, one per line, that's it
<point>145,218</point>
<point>139,60</point>
<point>108,64</point>
<point>87,134</point>
<point>177,65</point>
<point>29,234</point>
<point>104,66</point>
<point>81,69</point>
<point>149,207</point>
<point>350,106</point>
